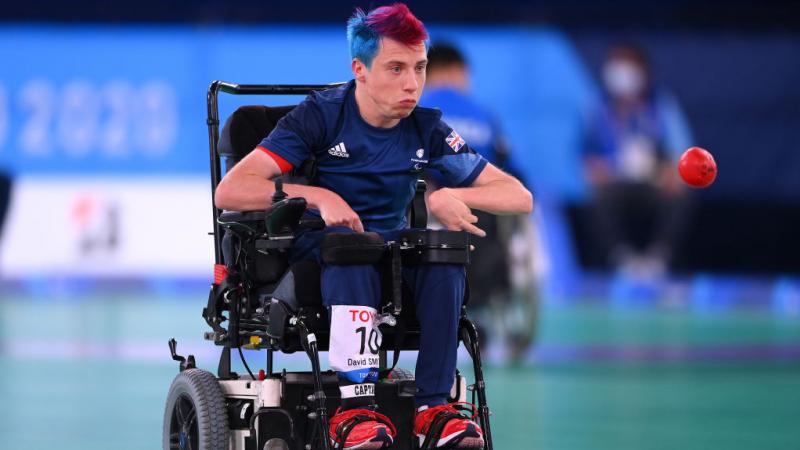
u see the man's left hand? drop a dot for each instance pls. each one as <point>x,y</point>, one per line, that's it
<point>451,212</point>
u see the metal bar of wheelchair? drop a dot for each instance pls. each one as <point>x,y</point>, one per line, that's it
<point>469,335</point>
<point>272,89</point>
<point>309,343</point>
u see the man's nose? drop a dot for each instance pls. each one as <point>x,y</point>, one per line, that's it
<point>410,83</point>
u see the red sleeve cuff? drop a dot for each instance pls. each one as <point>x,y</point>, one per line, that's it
<point>282,163</point>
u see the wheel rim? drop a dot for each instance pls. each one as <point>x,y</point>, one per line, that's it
<point>183,433</point>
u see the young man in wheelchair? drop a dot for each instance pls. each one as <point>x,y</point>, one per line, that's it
<point>371,141</point>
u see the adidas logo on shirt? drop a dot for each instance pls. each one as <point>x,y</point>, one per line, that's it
<point>339,150</point>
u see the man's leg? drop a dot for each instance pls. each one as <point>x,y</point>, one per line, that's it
<point>352,294</point>
<point>438,296</point>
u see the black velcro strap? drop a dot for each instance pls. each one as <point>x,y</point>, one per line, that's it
<point>400,329</point>
<point>352,248</point>
<point>419,210</point>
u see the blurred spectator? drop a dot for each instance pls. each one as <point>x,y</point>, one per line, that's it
<point>634,139</point>
<point>5,198</point>
<point>496,274</point>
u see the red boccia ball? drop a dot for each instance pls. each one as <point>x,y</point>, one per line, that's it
<point>697,167</point>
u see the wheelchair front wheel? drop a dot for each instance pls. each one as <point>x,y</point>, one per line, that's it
<point>195,417</point>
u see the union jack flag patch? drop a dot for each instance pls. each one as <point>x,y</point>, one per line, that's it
<point>455,141</point>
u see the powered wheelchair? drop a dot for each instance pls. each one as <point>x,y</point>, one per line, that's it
<point>258,301</point>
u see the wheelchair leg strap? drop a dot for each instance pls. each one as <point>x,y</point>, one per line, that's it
<point>469,334</point>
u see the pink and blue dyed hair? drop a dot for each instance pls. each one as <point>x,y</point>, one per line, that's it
<point>365,30</point>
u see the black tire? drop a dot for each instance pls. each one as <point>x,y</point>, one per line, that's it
<point>195,417</point>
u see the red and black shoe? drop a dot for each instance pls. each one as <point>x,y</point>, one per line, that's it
<point>361,429</point>
<point>445,426</point>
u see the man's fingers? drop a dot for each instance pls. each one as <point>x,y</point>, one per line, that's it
<point>470,228</point>
<point>471,218</point>
<point>454,226</point>
<point>357,226</point>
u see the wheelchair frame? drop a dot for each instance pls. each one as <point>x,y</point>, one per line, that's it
<point>235,390</point>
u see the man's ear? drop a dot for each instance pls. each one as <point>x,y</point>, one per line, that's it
<point>359,70</point>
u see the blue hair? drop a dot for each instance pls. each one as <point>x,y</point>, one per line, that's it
<point>363,39</point>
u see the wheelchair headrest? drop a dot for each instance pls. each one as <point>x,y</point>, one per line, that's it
<point>245,129</point>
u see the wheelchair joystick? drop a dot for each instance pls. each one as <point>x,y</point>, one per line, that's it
<point>279,194</point>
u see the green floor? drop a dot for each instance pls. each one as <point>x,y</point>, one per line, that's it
<point>93,375</point>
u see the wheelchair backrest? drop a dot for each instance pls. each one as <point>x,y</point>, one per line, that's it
<point>245,129</point>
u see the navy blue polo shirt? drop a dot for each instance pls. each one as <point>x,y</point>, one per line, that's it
<point>373,169</point>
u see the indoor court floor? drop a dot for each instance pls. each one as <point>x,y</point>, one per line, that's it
<point>93,374</point>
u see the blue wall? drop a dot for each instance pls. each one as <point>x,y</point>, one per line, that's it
<point>110,100</point>
<point>79,100</point>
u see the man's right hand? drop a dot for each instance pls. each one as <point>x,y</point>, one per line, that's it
<point>336,212</point>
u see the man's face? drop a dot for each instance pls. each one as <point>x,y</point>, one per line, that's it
<point>394,82</point>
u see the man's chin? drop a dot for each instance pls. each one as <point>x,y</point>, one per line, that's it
<point>403,112</point>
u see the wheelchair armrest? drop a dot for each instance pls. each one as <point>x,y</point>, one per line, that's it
<point>281,220</point>
<point>241,216</point>
<point>434,247</point>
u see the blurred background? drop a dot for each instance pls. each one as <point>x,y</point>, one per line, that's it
<point>667,320</point>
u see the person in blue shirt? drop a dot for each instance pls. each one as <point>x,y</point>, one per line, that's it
<point>447,87</point>
<point>634,139</point>
<point>5,198</point>
<point>371,141</point>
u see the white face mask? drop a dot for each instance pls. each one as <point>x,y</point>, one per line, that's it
<point>623,79</point>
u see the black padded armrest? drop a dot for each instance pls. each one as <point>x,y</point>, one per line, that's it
<point>241,216</point>
<point>434,247</point>
<point>280,219</point>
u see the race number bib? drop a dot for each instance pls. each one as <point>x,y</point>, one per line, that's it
<point>354,344</point>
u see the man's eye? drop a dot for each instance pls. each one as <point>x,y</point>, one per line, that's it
<point>395,69</point>
<point>420,68</point>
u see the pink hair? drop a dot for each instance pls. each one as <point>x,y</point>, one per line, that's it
<point>399,23</point>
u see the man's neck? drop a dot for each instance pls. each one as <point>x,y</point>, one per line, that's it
<point>369,111</point>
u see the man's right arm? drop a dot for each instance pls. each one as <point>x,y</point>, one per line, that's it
<point>248,187</point>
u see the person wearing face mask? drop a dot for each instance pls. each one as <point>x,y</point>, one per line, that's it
<point>634,138</point>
